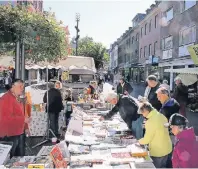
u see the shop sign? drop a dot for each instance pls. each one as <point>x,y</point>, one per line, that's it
<point>193,50</point>
<point>155,60</point>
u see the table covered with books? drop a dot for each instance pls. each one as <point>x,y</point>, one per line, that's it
<point>91,143</point>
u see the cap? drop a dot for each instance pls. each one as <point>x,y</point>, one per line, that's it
<point>177,120</point>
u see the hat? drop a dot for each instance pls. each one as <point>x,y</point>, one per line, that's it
<point>177,120</point>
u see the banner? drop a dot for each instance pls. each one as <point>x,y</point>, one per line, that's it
<point>193,50</point>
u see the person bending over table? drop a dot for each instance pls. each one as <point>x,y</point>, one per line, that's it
<point>128,108</point>
<point>156,135</point>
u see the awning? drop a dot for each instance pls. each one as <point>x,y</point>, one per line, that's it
<point>183,71</point>
<point>188,79</point>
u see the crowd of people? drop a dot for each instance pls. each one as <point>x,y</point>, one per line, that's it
<point>158,119</point>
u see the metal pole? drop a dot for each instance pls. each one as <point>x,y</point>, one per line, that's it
<point>17,60</point>
<point>22,62</point>
<point>77,30</point>
<point>47,72</point>
<point>77,39</point>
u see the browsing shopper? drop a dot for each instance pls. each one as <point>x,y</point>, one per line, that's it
<point>127,108</point>
<point>185,152</point>
<point>156,135</point>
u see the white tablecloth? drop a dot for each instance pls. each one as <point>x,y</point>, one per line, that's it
<point>38,125</point>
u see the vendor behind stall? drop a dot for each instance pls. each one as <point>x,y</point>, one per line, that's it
<point>128,108</point>
<point>92,87</point>
<point>12,117</point>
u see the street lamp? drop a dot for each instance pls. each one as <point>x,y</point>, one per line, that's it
<point>77,31</point>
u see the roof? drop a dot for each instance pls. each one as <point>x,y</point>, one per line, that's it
<point>183,71</point>
<point>78,62</point>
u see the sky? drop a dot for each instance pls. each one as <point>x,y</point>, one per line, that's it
<point>105,21</point>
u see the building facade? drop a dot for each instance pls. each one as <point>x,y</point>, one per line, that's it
<point>149,41</point>
<point>178,31</point>
<point>164,34</point>
<point>113,52</point>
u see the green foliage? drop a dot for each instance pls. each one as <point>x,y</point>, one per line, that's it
<point>87,47</point>
<point>43,36</point>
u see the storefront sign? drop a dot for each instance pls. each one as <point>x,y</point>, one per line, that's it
<point>155,60</point>
<point>193,50</point>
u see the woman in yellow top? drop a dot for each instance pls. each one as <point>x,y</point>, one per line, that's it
<point>156,135</point>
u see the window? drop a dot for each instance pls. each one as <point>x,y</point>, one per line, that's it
<point>141,53</point>
<point>145,51</point>
<point>155,47</point>
<point>189,4</point>
<point>150,25</point>
<point>141,31</point>
<point>150,50</point>
<point>156,20</point>
<point>137,37</point>
<point>145,28</point>
<point>169,14</point>
<point>187,36</point>
<point>167,43</point>
<point>132,40</point>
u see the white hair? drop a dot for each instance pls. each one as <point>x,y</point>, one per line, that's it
<point>178,78</point>
<point>111,96</point>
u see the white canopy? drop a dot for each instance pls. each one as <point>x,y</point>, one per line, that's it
<point>188,79</point>
<point>183,71</point>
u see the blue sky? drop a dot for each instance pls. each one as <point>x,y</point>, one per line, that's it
<point>105,21</point>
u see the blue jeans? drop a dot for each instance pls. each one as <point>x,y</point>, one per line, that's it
<point>137,128</point>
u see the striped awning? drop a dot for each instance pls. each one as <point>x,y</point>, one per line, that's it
<point>183,71</point>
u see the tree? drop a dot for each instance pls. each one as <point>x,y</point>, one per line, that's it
<point>87,47</point>
<point>44,37</point>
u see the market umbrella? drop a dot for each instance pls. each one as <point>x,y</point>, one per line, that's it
<point>188,79</point>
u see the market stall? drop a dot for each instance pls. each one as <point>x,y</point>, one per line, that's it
<point>91,144</point>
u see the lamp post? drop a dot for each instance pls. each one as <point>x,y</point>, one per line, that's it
<point>77,31</point>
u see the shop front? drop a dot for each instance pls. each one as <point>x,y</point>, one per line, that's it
<point>151,66</point>
<point>174,65</point>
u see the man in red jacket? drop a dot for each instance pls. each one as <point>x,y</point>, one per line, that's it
<point>12,117</point>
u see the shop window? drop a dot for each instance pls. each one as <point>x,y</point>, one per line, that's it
<point>187,36</point>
